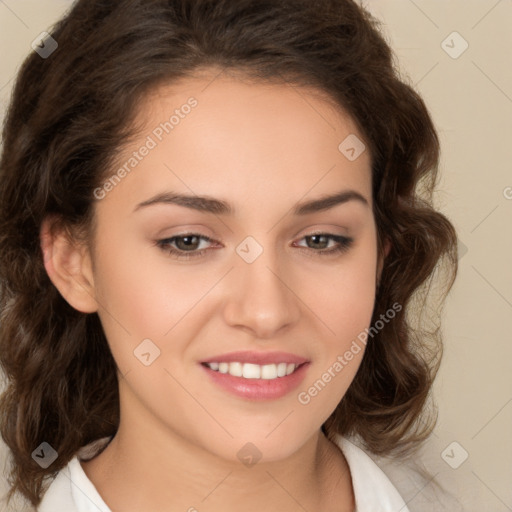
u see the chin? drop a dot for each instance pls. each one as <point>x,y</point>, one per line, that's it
<point>257,446</point>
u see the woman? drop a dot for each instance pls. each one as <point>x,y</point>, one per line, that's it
<point>212,239</point>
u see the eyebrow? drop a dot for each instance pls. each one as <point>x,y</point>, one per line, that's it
<point>209,204</point>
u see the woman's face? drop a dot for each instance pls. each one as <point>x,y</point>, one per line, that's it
<point>265,279</point>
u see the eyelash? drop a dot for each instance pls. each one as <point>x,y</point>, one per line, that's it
<point>344,244</point>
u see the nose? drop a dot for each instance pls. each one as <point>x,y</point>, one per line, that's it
<point>261,298</point>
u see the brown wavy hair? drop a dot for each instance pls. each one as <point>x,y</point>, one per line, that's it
<point>71,113</point>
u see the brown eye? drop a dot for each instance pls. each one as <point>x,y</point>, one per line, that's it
<point>187,243</point>
<point>319,243</point>
<point>184,246</point>
<point>317,240</point>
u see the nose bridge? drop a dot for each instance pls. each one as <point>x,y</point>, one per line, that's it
<point>261,300</point>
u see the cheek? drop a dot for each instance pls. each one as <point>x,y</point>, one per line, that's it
<point>343,299</point>
<point>345,303</point>
<point>139,289</point>
<point>343,296</point>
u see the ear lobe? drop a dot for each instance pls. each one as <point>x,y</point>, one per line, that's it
<point>68,265</point>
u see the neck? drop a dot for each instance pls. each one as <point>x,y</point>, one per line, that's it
<point>148,469</point>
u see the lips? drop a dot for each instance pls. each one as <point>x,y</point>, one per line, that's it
<point>257,375</point>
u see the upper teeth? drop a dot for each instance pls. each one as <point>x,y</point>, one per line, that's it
<point>254,371</point>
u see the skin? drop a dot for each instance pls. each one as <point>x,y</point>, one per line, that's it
<point>262,148</point>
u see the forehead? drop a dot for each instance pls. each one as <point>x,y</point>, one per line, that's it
<point>250,103</point>
<point>218,134</point>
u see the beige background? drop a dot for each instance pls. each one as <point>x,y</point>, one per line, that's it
<point>470,98</point>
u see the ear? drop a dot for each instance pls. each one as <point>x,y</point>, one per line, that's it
<point>382,258</point>
<point>69,266</point>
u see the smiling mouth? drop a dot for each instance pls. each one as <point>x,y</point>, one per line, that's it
<point>254,371</point>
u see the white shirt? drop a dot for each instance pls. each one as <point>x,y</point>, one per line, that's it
<point>72,491</point>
